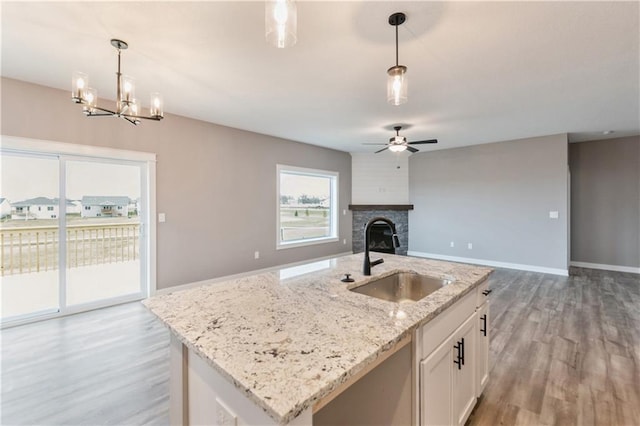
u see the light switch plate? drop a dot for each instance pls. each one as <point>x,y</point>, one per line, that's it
<point>161,217</point>
<point>553,215</point>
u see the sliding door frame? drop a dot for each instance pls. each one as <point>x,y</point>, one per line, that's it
<point>74,152</point>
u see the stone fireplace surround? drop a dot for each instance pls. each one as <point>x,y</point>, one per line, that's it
<point>397,213</point>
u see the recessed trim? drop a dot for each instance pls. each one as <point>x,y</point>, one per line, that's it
<point>362,207</point>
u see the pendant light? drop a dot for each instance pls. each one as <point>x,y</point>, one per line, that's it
<point>127,106</point>
<point>281,23</point>
<point>397,75</point>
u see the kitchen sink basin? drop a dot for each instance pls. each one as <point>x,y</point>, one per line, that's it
<point>402,287</point>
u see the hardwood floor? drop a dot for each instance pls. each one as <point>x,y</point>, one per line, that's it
<point>563,351</point>
<point>105,367</point>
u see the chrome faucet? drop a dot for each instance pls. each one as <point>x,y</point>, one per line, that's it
<point>366,270</point>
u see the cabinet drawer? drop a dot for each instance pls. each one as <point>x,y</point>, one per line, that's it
<point>482,290</point>
<point>441,327</point>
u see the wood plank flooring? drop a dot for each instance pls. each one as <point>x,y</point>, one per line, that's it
<point>564,350</point>
<point>105,367</point>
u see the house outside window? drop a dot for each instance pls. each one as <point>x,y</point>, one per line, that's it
<point>307,206</point>
<point>50,208</point>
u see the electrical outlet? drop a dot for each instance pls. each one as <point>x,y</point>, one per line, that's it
<point>553,215</point>
<point>469,246</point>
<point>256,255</point>
<point>344,241</point>
<point>452,244</point>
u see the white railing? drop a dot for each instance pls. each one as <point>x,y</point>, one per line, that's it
<point>35,248</point>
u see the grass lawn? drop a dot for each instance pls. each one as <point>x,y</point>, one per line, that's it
<point>301,223</point>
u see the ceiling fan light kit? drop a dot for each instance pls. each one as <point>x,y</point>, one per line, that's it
<point>127,106</point>
<point>281,23</point>
<point>399,143</point>
<point>397,82</point>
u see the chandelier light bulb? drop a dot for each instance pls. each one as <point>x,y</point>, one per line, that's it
<point>79,82</point>
<point>155,110</point>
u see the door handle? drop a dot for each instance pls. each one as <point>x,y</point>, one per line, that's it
<point>462,350</point>
<point>483,329</point>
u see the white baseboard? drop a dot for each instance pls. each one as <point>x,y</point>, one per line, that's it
<point>616,268</point>
<point>243,274</point>
<point>532,268</point>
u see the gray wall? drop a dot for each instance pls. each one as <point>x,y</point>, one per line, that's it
<point>202,167</point>
<point>605,201</point>
<point>498,197</point>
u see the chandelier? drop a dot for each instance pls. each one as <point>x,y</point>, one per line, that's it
<point>127,106</point>
<point>397,75</point>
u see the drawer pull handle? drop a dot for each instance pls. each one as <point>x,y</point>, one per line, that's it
<point>483,329</point>
<point>459,361</point>
<point>486,292</point>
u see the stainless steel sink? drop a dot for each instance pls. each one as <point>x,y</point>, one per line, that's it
<point>402,287</point>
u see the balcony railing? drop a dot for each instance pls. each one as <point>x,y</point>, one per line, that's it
<point>35,248</point>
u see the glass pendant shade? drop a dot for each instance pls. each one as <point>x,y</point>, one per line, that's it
<point>397,84</point>
<point>281,23</point>
<point>155,106</point>
<point>79,83</point>
<point>127,89</point>
<point>397,148</point>
<point>91,100</point>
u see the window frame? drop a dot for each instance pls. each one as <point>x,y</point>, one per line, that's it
<point>334,206</point>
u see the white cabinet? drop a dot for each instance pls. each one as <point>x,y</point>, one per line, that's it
<point>454,367</point>
<point>482,366</point>
<point>464,374</point>
<point>447,378</point>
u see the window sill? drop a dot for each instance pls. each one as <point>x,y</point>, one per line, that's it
<point>307,242</point>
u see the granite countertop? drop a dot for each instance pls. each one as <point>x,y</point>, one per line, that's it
<point>288,338</point>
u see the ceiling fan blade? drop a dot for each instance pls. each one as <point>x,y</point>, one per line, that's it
<point>412,149</point>
<point>419,142</point>
<point>381,150</point>
<point>375,143</point>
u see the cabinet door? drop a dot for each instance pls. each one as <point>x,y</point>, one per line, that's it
<point>436,386</point>
<point>482,366</point>
<point>464,375</point>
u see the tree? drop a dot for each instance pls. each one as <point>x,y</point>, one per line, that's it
<point>305,199</point>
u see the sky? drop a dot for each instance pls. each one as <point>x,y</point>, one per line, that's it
<point>24,177</point>
<point>297,185</point>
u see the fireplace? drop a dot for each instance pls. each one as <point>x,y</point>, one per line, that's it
<point>380,238</point>
<point>398,214</point>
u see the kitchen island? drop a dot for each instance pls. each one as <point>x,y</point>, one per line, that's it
<point>274,348</point>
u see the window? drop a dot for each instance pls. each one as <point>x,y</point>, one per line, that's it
<point>307,206</point>
<point>87,207</point>
<point>50,208</point>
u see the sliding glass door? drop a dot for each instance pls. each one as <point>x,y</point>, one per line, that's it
<point>103,231</point>
<point>29,230</point>
<point>72,233</point>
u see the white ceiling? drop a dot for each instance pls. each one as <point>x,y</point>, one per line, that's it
<point>479,71</point>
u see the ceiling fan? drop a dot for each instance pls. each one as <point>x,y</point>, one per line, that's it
<point>399,143</point>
